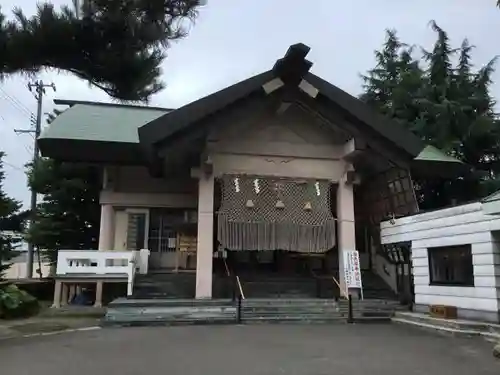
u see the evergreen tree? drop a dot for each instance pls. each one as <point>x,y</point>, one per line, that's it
<point>116,45</point>
<point>448,106</point>
<point>395,84</point>
<point>68,215</point>
<point>11,223</point>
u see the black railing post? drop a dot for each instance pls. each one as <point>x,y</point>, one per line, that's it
<point>238,310</point>
<point>350,318</point>
<point>234,286</point>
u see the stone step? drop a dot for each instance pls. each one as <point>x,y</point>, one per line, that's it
<point>190,311</point>
<point>174,302</point>
<point>295,319</point>
<point>455,326</point>
<point>290,310</point>
<point>377,309</point>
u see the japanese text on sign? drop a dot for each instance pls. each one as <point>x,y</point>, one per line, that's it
<point>352,270</point>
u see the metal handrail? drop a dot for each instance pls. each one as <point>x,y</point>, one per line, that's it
<point>240,287</point>
<point>241,296</point>
<point>228,273</point>
<point>345,293</point>
<point>342,291</point>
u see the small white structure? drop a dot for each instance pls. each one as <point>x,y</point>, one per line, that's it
<point>77,267</point>
<point>455,254</point>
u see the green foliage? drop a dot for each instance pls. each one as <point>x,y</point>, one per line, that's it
<point>68,216</point>
<point>11,223</point>
<point>447,103</point>
<point>16,303</point>
<point>116,45</point>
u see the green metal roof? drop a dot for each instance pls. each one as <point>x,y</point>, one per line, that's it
<point>101,122</point>
<point>431,153</point>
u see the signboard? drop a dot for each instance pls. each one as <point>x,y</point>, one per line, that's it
<point>352,269</point>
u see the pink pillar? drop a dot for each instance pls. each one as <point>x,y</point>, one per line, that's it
<point>204,252</point>
<point>345,226</point>
<point>106,230</point>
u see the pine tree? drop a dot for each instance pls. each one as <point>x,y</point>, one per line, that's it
<point>68,216</point>
<point>395,83</point>
<point>447,106</point>
<point>116,45</point>
<point>11,223</point>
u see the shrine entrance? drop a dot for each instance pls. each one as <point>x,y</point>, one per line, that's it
<point>272,225</point>
<point>277,262</point>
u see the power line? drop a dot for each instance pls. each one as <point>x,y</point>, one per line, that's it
<point>13,166</point>
<point>23,110</point>
<point>16,103</point>
<point>38,89</point>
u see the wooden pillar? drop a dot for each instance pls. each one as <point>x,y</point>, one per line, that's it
<point>346,224</point>
<point>204,251</point>
<point>106,230</point>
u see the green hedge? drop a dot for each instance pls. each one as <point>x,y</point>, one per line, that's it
<point>16,303</point>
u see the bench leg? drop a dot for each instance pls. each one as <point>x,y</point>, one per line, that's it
<point>65,294</point>
<point>57,295</point>
<point>72,293</point>
<point>98,294</point>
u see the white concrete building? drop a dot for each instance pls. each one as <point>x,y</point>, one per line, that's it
<point>455,256</point>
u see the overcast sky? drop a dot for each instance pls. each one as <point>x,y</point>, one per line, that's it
<point>233,39</point>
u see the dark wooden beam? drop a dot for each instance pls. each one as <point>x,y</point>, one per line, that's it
<point>336,116</point>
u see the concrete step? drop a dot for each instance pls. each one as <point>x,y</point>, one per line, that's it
<point>453,326</point>
<point>171,302</point>
<point>296,319</point>
<point>127,312</point>
<point>377,308</point>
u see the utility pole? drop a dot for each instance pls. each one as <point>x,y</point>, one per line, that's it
<point>38,89</point>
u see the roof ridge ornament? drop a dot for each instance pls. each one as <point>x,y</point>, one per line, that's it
<point>293,66</point>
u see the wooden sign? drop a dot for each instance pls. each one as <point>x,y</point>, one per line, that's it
<point>443,312</point>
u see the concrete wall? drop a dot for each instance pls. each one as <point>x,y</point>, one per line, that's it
<point>18,270</point>
<point>460,225</point>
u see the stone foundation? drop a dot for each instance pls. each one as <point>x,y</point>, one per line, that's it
<point>468,314</point>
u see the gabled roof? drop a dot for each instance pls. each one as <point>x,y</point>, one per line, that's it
<point>97,132</point>
<point>291,69</point>
<point>101,122</point>
<point>112,133</point>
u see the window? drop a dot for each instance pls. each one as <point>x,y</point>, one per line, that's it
<point>451,265</point>
<point>164,225</point>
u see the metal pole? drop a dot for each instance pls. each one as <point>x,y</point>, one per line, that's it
<point>350,318</point>
<point>238,311</point>
<point>31,247</point>
<point>39,91</point>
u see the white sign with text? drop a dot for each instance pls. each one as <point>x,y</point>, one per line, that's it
<point>352,269</point>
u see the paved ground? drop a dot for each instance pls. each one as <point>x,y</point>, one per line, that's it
<point>254,349</point>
